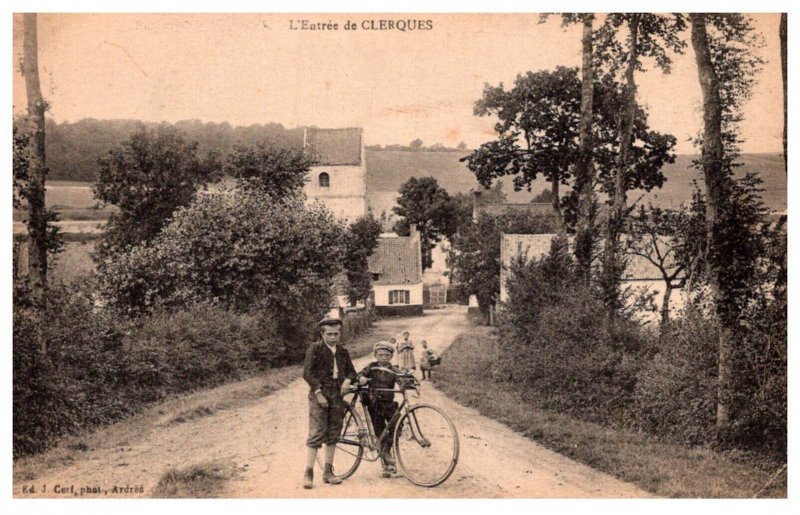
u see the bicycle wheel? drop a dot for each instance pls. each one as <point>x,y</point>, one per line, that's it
<point>426,445</point>
<point>349,451</point>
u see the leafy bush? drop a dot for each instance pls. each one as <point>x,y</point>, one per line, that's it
<point>66,359</point>
<point>82,369</point>
<point>240,248</point>
<point>676,390</point>
<point>149,176</point>
<point>557,344</point>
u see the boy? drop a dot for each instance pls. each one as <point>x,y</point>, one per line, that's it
<point>381,405</point>
<point>425,364</point>
<point>329,371</point>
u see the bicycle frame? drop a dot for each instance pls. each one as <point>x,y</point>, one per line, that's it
<point>422,435</point>
<point>364,420</point>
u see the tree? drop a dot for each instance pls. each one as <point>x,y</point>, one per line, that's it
<point>415,144</point>
<point>669,239</point>
<point>30,165</point>
<point>462,146</point>
<point>648,35</point>
<point>726,70</point>
<point>536,130</point>
<point>539,133</point>
<point>241,248</point>
<point>584,167</point>
<point>148,177</point>
<point>280,172</point>
<point>474,255</point>
<point>783,35</point>
<point>546,196</point>
<point>428,207</point>
<point>360,242</point>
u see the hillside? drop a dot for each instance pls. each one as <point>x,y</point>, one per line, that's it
<point>387,170</point>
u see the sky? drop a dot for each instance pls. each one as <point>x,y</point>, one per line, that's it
<point>397,85</point>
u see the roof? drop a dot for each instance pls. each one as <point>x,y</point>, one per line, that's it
<point>397,260</point>
<point>504,208</point>
<point>335,146</point>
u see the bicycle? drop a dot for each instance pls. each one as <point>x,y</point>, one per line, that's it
<point>425,439</point>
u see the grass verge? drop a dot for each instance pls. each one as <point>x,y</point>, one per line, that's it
<point>176,410</point>
<point>665,469</point>
<point>203,480</point>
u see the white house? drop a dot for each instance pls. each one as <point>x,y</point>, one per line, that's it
<point>339,177</point>
<point>639,272</point>
<point>396,268</point>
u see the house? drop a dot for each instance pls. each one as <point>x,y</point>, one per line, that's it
<point>339,178</point>
<point>639,273</point>
<point>480,206</point>
<point>396,268</point>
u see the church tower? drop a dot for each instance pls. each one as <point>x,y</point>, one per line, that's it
<point>339,177</point>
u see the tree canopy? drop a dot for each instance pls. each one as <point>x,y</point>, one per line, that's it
<point>242,248</point>
<point>538,133</point>
<point>361,240</point>
<point>148,177</point>
<point>428,207</point>
<point>279,172</point>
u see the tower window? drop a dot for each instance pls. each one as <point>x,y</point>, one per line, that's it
<point>324,180</point>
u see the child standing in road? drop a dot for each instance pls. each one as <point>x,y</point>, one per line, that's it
<point>426,362</point>
<point>381,405</point>
<point>405,354</point>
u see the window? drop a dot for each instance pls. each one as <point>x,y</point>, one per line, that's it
<point>324,180</point>
<point>399,297</point>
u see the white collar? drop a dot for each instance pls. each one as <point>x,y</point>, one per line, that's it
<point>331,348</point>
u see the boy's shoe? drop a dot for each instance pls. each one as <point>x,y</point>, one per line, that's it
<point>389,466</point>
<point>308,479</point>
<point>328,477</point>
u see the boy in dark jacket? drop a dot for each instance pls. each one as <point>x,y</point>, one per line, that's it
<point>381,405</point>
<point>329,371</point>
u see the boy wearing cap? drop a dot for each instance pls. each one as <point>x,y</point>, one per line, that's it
<point>329,371</point>
<point>381,405</point>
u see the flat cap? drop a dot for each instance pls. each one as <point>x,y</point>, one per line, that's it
<point>384,346</point>
<point>330,321</point>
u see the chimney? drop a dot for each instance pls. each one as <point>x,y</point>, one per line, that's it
<point>413,233</point>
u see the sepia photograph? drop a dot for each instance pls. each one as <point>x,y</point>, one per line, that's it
<point>398,255</point>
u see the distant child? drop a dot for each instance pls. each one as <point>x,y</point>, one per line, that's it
<point>426,363</point>
<point>405,354</point>
<point>381,405</point>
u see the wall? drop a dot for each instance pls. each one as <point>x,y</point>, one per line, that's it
<point>346,195</point>
<point>677,300</point>
<point>382,293</point>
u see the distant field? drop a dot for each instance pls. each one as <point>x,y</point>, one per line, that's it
<point>69,194</point>
<point>387,170</point>
<point>72,200</point>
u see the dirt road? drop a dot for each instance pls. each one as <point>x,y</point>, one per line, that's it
<point>265,441</point>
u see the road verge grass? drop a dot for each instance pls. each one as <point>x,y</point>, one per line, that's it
<point>200,481</point>
<point>178,409</point>
<point>662,468</point>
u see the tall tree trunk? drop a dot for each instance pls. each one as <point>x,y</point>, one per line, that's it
<point>37,221</point>
<point>783,36</point>
<point>616,216</point>
<point>584,176</point>
<point>665,306</point>
<point>554,189</point>
<point>713,171</point>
